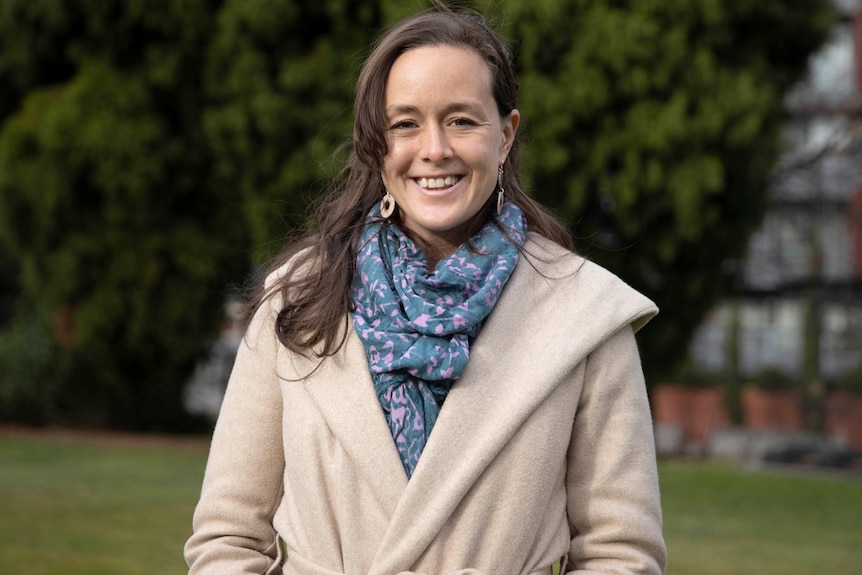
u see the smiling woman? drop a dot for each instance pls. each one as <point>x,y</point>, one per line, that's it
<point>446,143</point>
<point>433,382</point>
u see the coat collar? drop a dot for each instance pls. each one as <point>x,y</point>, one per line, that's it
<point>544,305</point>
<point>343,392</point>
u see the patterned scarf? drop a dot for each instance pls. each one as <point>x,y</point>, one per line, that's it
<point>417,326</point>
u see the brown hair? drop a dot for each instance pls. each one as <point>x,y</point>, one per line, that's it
<point>316,286</point>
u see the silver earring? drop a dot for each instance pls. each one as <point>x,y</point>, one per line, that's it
<point>387,206</point>
<point>501,197</point>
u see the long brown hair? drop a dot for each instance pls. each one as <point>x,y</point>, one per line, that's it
<point>316,286</point>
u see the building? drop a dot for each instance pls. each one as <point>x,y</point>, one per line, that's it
<point>798,307</point>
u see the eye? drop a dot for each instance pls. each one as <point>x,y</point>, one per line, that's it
<point>462,122</point>
<point>403,125</point>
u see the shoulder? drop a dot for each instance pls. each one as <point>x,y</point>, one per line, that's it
<point>279,283</point>
<point>286,269</point>
<point>578,287</point>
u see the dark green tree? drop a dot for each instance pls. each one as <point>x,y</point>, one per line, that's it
<point>24,65</point>
<point>279,77</point>
<point>151,151</point>
<point>653,126</point>
<point>103,200</point>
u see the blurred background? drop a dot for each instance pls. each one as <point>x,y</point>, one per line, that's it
<point>154,154</point>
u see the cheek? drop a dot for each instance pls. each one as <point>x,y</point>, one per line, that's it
<point>388,171</point>
<point>397,161</point>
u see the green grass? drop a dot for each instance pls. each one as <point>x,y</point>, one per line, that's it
<point>78,509</point>
<point>722,520</point>
<point>86,510</point>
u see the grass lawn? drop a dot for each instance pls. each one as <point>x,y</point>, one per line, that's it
<point>78,508</point>
<point>728,521</point>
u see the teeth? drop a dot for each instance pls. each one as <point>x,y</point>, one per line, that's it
<point>433,183</point>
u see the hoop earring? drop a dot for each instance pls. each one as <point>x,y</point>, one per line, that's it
<point>501,193</point>
<point>387,205</point>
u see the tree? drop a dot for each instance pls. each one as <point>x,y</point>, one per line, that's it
<point>103,200</point>
<point>279,79</point>
<point>23,66</point>
<point>149,151</point>
<point>653,128</point>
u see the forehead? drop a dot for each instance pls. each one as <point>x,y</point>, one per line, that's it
<point>438,70</point>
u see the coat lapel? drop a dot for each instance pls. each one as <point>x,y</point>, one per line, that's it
<point>513,368</point>
<point>482,411</point>
<point>343,392</point>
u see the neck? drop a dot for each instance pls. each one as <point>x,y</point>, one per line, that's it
<point>443,245</point>
<point>437,251</point>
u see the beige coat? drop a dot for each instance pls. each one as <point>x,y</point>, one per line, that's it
<point>542,449</point>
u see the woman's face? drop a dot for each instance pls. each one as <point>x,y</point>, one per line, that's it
<point>445,140</point>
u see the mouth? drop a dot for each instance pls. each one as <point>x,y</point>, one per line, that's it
<point>437,183</point>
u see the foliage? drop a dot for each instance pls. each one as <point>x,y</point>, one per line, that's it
<point>151,152</point>
<point>653,126</point>
<point>29,390</point>
<point>687,373</point>
<point>278,77</point>
<point>774,378</point>
<point>851,381</point>
<point>102,204</point>
<point>9,288</point>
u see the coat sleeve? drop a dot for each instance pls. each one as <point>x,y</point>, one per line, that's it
<point>242,487</point>
<point>613,498</point>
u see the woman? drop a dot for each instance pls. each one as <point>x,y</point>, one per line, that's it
<point>435,296</point>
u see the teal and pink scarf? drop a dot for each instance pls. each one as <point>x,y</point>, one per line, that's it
<point>417,325</point>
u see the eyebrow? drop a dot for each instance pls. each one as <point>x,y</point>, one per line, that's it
<point>399,109</point>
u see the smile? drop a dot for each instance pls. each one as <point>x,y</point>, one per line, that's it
<point>434,183</point>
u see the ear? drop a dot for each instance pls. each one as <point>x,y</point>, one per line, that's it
<point>510,128</point>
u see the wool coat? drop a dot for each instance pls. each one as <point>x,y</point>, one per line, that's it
<point>543,450</point>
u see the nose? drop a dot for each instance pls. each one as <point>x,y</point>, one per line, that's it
<point>435,144</point>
